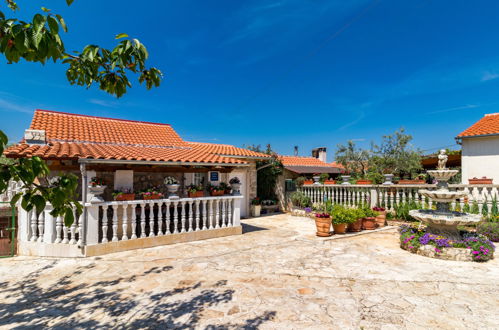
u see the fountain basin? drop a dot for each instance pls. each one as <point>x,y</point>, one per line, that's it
<point>442,175</point>
<point>443,196</point>
<point>452,219</point>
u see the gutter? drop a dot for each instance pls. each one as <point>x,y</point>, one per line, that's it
<point>153,162</point>
<point>459,139</point>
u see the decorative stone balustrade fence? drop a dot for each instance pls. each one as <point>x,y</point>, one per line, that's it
<point>120,226</point>
<point>482,197</point>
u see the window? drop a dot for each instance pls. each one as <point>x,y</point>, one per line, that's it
<point>198,178</point>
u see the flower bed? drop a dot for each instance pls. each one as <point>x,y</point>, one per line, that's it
<point>473,247</point>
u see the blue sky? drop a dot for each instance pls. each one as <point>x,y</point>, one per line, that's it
<point>288,72</point>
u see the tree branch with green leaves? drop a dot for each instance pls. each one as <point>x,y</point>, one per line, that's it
<point>40,40</point>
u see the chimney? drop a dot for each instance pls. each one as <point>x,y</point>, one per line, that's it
<point>320,153</point>
<point>34,136</point>
<point>296,150</point>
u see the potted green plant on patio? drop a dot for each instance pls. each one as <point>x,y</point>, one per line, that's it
<point>341,217</point>
<point>123,194</point>
<point>215,190</point>
<point>323,224</point>
<point>356,225</point>
<point>256,207</point>
<point>195,190</point>
<point>151,193</point>
<point>369,221</point>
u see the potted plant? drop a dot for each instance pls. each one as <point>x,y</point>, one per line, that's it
<point>356,225</point>
<point>151,193</point>
<point>369,220</point>
<point>215,190</point>
<point>317,178</point>
<point>346,179</point>
<point>341,218</point>
<point>256,207</point>
<point>381,217</point>
<point>123,194</point>
<point>300,181</point>
<point>330,181</point>
<point>236,186</point>
<point>323,224</point>
<point>388,179</point>
<point>96,187</point>
<point>225,187</point>
<point>195,190</point>
<point>364,181</point>
<point>172,186</point>
<point>483,180</point>
<point>323,178</point>
<point>308,182</point>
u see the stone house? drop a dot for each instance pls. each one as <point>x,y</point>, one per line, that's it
<point>134,155</point>
<point>480,149</point>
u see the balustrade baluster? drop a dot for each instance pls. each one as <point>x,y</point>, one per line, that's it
<point>34,226</point>
<point>41,226</point>
<point>182,217</point>
<point>191,215</point>
<point>72,230</point>
<point>197,216</point>
<point>167,218</point>
<point>229,212</point>
<point>104,224</point>
<point>58,229</point>
<point>80,229</point>
<point>224,202</point>
<point>160,218</point>
<point>210,211</point>
<point>143,219</point>
<point>175,217</point>
<point>205,215</point>
<point>151,219</point>
<point>134,221</point>
<point>124,225</point>
<point>115,223</point>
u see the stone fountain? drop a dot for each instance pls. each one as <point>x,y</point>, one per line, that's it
<point>443,221</point>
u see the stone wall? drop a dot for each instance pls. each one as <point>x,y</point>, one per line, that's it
<point>280,189</point>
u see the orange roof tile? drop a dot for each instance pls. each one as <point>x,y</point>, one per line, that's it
<point>226,150</point>
<point>69,150</point>
<point>68,127</point>
<point>489,124</point>
<point>304,161</point>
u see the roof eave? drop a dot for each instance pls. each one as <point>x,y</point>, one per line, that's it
<point>155,162</point>
<point>460,138</point>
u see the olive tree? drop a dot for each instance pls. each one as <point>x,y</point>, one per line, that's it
<point>354,159</point>
<point>40,40</point>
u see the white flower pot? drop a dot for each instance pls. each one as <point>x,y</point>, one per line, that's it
<point>172,190</point>
<point>388,179</point>
<point>96,191</point>
<point>316,179</point>
<point>346,179</point>
<point>256,210</point>
<point>236,189</point>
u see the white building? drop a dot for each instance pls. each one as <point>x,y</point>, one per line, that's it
<point>480,149</point>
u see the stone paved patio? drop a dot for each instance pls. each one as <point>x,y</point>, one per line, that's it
<point>275,276</point>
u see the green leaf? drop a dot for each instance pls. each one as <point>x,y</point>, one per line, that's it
<point>68,217</point>
<point>39,203</point>
<point>121,35</point>
<point>45,9</point>
<point>14,199</point>
<point>69,2</point>
<point>62,22</point>
<point>54,26</point>
<point>39,22</point>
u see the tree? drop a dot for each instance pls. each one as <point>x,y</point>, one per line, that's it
<point>40,41</point>
<point>395,155</point>
<point>355,160</point>
<point>268,172</point>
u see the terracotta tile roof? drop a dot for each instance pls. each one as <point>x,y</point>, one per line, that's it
<point>226,150</point>
<point>304,161</point>
<point>70,150</point>
<point>67,127</point>
<point>489,124</point>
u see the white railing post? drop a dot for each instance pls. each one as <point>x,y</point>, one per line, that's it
<point>236,212</point>
<point>49,230</point>
<point>373,197</point>
<point>92,230</point>
<point>23,224</point>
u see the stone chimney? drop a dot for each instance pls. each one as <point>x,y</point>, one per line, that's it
<point>320,153</point>
<point>34,136</point>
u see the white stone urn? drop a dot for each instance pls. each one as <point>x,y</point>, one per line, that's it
<point>388,179</point>
<point>172,190</point>
<point>346,179</point>
<point>256,210</point>
<point>236,189</point>
<point>316,179</point>
<point>96,191</point>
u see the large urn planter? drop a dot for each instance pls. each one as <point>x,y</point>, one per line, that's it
<point>236,189</point>
<point>256,210</point>
<point>96,191</point>
<point>172,190</point>
<point>355,226</point>
<point>364,182</point>
<point>388,179</point>
<point>369,223</point>
<point>323,226</point>
<point>340,228</point>
<point>346,179</point>
<point>483,180</point>
<point>316,179</point>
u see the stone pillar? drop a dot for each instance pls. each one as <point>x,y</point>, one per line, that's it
<point>236,212</point>
<point>252,181</point>
<point>92,226</point>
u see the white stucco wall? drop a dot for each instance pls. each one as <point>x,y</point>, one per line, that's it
<point>480,157</point>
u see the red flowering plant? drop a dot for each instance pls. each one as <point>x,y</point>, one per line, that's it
<point>96,182</point>
<point>153,191</point>
<point>378,209</point>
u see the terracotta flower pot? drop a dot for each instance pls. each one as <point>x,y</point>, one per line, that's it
<point>330,182</point>
<point>369,223</point>
<point>151,197</point>
<point>196,194</point>
<point>411,182</point>
<point>340,228</point>
<point>480,181</point>
<point>306,182</point>
<point>323,226</point>
<point>355,226</point>
<point>364,182</point>
<point>381,219</point>
<point>217,193</point>
<point>125,197</point>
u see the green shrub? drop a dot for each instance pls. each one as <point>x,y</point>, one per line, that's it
<point>489,229</point>
<point>300,200</point>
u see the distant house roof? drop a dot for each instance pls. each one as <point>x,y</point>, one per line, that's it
<point>226,150</point>
<point>310,165</point>
<point>74,136</point>
<point>488,125</point>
